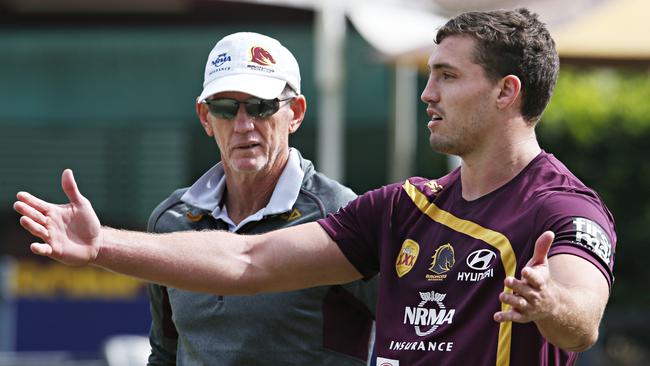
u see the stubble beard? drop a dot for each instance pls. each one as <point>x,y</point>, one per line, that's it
<point>460,142</point>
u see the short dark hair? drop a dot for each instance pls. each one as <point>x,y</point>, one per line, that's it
<point>512,42</point>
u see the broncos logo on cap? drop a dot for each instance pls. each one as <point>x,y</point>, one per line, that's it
<point>443,259</point>
<point>261,56</point>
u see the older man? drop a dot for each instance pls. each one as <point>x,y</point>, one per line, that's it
<point>250,104</point>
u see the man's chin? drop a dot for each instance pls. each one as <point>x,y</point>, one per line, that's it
<point>443,147</point>
<point>247,165</point>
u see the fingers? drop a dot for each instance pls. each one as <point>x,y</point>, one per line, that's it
<point>521,300</point>
<point>519,310</point>
<point>527,301</point>
<point>517,286</point>
<point>524,287</point>
<point>34,228</point>
<point>29,211</point>
<point>510,316</point>
<point>533,278</point>
<point>70,186</point>
<point>542,246</point>
<point>34,202</point>
<point>41,249</point>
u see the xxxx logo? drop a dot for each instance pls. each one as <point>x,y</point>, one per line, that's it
<point>406,257</point>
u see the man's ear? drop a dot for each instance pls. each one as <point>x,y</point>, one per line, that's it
<point>202,113</point>
<point>509,91</point>
<point>298,106</point>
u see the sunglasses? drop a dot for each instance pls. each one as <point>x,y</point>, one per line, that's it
<point>255,107</point>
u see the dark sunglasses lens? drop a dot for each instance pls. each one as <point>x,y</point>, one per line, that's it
<point>262,108</point>
<point>224,108</point>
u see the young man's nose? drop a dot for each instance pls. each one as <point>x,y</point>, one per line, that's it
<point>430,93</point>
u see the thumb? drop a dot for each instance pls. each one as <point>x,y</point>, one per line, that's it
<point>70,186</point>
<point>542,246</point>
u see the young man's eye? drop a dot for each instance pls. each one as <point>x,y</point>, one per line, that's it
<point>447,76</point>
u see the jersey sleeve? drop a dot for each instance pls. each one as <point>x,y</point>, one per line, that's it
<point>355,228</point>
<point>584,227</point>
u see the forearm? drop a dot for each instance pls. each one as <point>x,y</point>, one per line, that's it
<point>573,325</point>
<point>224,263</point>
<point>213,262</point>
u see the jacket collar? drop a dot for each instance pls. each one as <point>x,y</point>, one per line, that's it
<point>207,192</point>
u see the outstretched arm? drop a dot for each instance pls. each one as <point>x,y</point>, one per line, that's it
<point>565,296</point>
<point>208,261</point>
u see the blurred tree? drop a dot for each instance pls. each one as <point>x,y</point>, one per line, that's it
<point>598,124</point>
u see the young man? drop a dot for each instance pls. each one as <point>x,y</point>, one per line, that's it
<point>506,260</point>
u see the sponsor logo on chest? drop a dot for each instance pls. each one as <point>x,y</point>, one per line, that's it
<point>407,256</point>
<point>442,261</point>
<point>429,314</point>
<point>425,318</point>
<point>481,263</point>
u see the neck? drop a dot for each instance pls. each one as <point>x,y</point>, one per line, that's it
<point>485,171</point>
<point>248,192</point>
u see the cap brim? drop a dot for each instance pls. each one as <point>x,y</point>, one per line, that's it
<point>255,85</point>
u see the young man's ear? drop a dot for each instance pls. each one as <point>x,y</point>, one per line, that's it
<point>509,91</point>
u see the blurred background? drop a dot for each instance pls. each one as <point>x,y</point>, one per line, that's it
<point>107,88</point>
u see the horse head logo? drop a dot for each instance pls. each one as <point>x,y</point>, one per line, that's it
<point>443,259</point>
<point>261,56</point>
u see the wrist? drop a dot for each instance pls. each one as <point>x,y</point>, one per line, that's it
<point>99,247</point>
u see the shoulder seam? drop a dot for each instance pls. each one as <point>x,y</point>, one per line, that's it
<point>316,199</point>
<point>159,211</point>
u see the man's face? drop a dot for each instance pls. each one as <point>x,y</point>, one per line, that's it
<point>459,98</point>
<point>250,144</point>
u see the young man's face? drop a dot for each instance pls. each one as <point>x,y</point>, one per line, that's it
<point>460,99</point>
<point>250,144</point>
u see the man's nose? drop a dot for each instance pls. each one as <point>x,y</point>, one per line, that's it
<point>243,122</point>
<point>430,93</point>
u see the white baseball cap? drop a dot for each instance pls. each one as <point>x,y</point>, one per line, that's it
<point>250,63</point>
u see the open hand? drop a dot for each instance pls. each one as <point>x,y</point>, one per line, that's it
<point>71,232</point>
<point>534,296</point>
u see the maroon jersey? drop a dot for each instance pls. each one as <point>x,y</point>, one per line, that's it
<point>443,260</point>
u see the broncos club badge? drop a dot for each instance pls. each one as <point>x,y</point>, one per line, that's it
<point>441,262</point>
<point>261,56</point>
<point>406,257</point>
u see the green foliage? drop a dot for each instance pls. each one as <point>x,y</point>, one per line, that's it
<point>587,102</point>
<point>598,124</point>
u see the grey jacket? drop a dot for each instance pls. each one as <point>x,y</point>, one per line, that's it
<point>327,325</point>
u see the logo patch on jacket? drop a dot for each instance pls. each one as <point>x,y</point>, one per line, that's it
<point>192,217</point>
<point>292,216</point>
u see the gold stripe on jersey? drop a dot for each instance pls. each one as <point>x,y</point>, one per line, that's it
<point>491,237</point>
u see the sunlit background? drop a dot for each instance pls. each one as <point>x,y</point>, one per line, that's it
<point>107,88</point>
